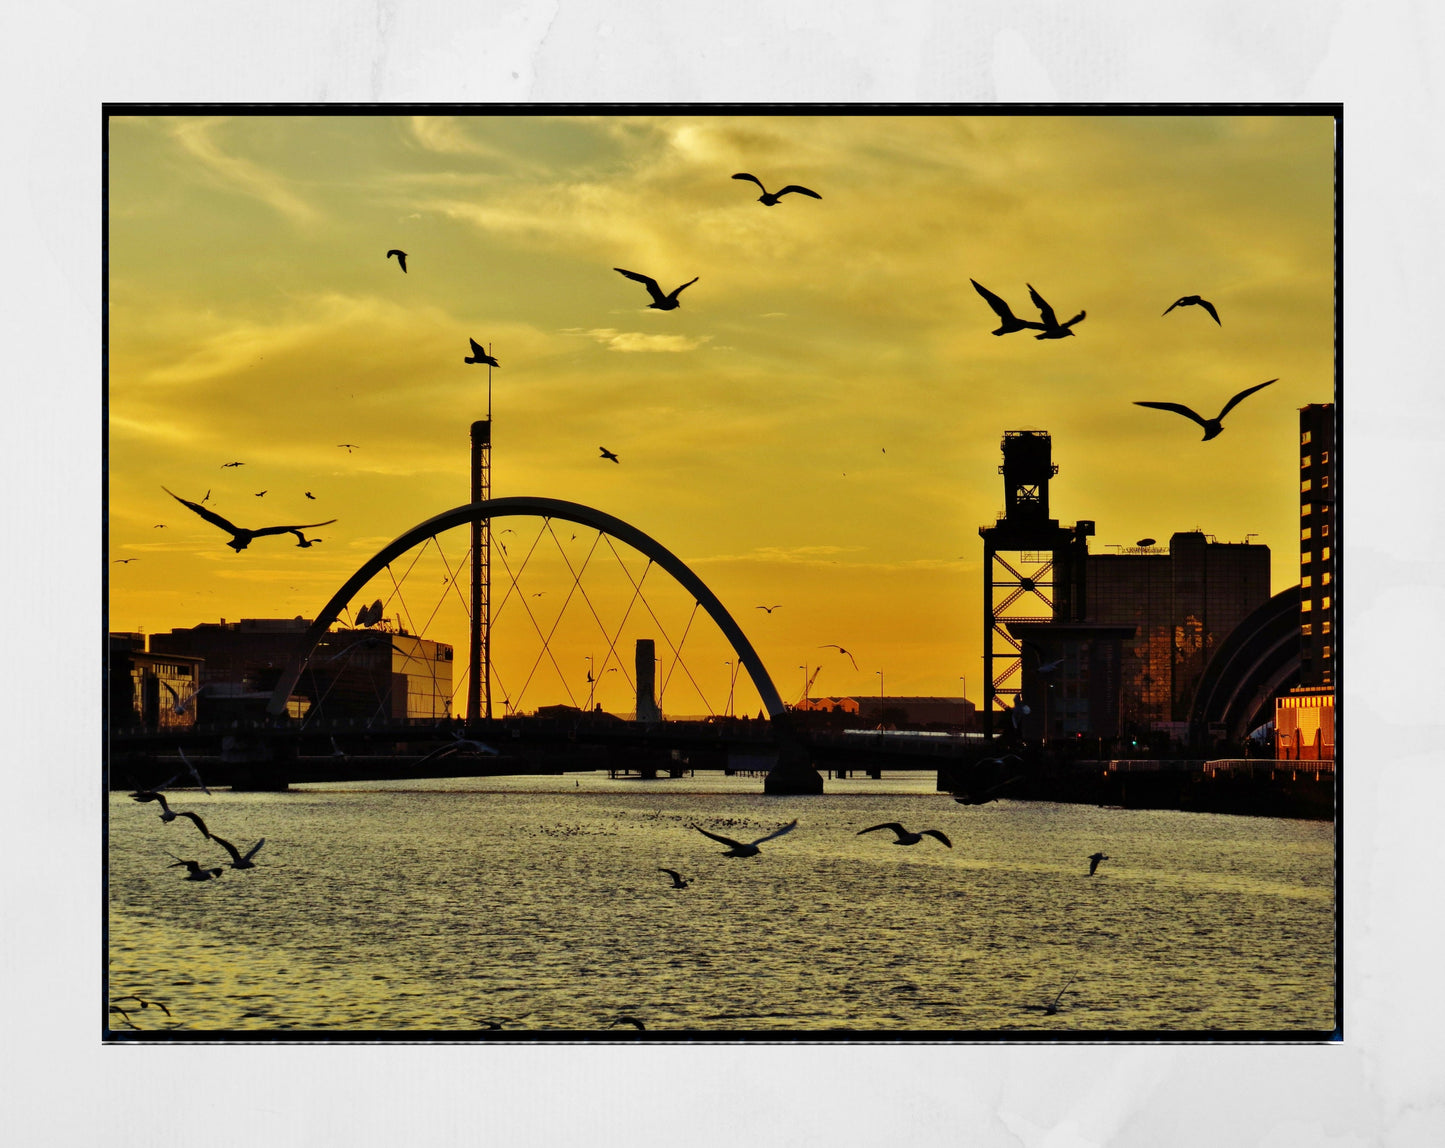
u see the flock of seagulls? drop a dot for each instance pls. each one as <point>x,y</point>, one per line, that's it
<point>195,870</point>
<point>242,537</point>
<point>1050,328</point>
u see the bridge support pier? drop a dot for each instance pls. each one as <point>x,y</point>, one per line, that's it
<point>794,774</point>
<point>256,762</point>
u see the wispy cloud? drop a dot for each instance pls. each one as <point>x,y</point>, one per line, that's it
<point>615,340</point>
<point>197,137</point>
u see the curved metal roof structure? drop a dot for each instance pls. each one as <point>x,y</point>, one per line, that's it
<point>1258,661</point>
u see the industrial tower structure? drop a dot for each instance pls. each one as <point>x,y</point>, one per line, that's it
<point>1034,568</point>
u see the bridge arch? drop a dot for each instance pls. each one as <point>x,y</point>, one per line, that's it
<point>524,506</point>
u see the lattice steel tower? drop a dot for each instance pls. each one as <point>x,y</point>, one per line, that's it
<point>1042,577</point>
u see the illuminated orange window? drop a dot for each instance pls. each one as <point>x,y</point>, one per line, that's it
<point>1325,602</point>
<point>1307,629</point>
<point>1304,438</point>
<point>1324,627</point>
<point>1306,581</point>
<point>1326,652</point>
<point>1324,456</point>
<point>1305,461</point>
<point>1305,557</point>
<point>1325,554</point>
<point>1304,534</point>
<point>1325,579</point>
<point>1306,509</point>
<point>1306,606</point>
<point>1324,530</point>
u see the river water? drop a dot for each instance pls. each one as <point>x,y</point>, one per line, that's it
<point>537,903</point>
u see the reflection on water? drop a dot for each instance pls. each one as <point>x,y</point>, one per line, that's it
<point>538,903</point>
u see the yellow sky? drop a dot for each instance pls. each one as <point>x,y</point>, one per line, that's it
<point>818,425</point>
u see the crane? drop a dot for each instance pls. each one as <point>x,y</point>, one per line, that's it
<point>802,702</point>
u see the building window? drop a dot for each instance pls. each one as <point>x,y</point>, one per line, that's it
<point>1325,481</point>
<point>1325,602</point>
<point>1304,557</point>
<point>1305,461</point>
<point>1306,606</point>
<point>1325,653</point>
<point>1306,509</point>
<point>1307,629</point>
<point>1304,534</point>
<point>1324,627</point>
<point>1304,438</point>
<point>1325,579</point>
<point>1325,554</point>
<point>1324,530</point>
<point>1305,485</point>
<point>1324,456</point>
<point>1305,582</point>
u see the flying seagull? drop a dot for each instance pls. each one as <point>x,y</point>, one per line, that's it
<point>678,880</point>
<point>769,609</point>
<point>143,1004</point>
<point>660,302</point>
<point>632,1020</point>
<point>1053,1007</point>
<point>609,455</point>
<point>1194,301</point>
<point>400,256</point>
<point>750,849</point>
<point>226,464</point>
<point>240,536</point>
<point>260,494</point>
<point>1010,322</point>
<point>905,837</point>
<point>123,561</point>
<point>983,797</point>
<point>237,861</point>
<point>479,355</point>
<point>770,199</point>
<point>1212,427</point>
<point>159,526</point>
<point>194,870</point>
<point>304,541</point>
<point>1094,859</point>
<point>350,446</point>
<point>311,496</point>
<point>1052,328</point>
<point>167,814</point>
<point>841,650</point>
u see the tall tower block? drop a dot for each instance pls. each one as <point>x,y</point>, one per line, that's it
<point>1033,568</point>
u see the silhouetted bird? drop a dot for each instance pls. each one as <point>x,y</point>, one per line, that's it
<point>123,1013</point>
<point>304,541</point>
<point>478,355</point>
<point>237,861</point>
<point>145,1004</point>
<point>841,650</point>
<point>660,302</point>
<point>607,454</point>
<point>123,561</point>
<point>1145,542</point>
<point>632,1020</point>
<point>749,849</point>
<point>769,198</point>
<point>1010,322</point>
<point>207,497</point>
<point>769,609</point>
<point>194,870</point>
<point>159,526</point>
<point>226,464</point>
<point>1194,301</point>
<point>1053,1006</point>
<point>350,446</point>
<point>1094,859</point>
<point>260,494</point>
<point>240,536</point>
<point>1212,427</point>
<point>905,837</point>
<point>1052,328</point>
<point>311,496</point>
<point>400,256</point>
<point>678,880</point>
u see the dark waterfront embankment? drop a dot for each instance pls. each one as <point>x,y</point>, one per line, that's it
<point>1260,788</point>
<point>1250,787</point>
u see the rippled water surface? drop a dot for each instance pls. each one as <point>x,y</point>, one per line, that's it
<point>537,903</point>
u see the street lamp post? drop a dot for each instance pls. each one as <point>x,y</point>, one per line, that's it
<point>880,699</point>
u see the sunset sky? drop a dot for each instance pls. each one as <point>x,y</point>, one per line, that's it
<point>817,426</point>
